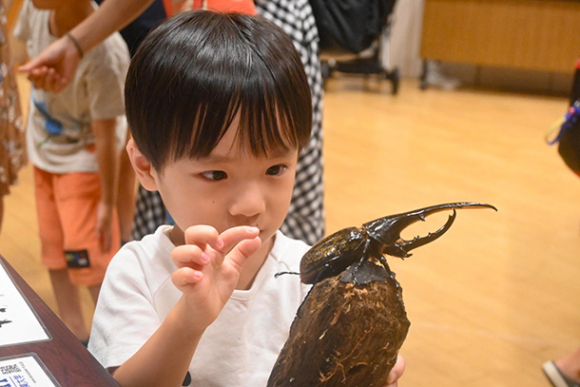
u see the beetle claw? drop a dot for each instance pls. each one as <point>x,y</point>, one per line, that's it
<point>418,241</point>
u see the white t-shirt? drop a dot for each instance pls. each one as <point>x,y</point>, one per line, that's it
<point>238,349</point>
<point>59,136</point>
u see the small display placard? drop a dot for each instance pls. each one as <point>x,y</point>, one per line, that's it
<point>18,322</point>
<point>25,371</point>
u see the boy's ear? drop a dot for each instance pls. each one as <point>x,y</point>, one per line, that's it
<point>142,166</point>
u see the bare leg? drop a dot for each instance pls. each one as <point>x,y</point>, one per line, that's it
<point>69,304</point>
<point>1,212</point>
<point>126,196</point>
<point>94,290</point>
<point>570,365</point>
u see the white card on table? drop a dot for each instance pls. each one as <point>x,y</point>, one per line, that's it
<point>18,322</point>
<point>25,371</point>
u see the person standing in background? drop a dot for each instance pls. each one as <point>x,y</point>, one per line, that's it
<point>305,219</point>
<point>12,146</point>
<point>74,139</point>
<point>149,208</point>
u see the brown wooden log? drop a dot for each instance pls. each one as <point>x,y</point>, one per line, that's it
<point>344,334</point>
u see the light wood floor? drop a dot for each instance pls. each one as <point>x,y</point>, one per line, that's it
<point>500,292</point>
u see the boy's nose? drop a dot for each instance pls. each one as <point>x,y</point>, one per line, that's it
<point>248,201</point>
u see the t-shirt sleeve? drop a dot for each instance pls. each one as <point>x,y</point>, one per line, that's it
<point>106,79</point>
<point>22,29</point>
<point>124,317</point>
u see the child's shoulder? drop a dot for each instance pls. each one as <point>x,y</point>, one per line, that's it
<point>288,250</point>
<point>30,20</point>
<point>148,259</point>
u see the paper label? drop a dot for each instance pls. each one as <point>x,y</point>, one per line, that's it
<point>25,371</point>
<point>18,322</point>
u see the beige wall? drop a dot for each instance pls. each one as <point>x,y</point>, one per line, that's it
<point>404,47</point>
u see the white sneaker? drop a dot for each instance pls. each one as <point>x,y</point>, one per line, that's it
<point>556,377</point>
<point>436,78</point>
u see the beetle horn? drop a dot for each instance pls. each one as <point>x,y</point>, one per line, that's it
<point>387,230</point>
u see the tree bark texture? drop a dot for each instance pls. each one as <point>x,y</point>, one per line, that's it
<point>344,334</point>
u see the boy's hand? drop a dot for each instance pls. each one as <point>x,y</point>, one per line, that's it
<point>53,69</point>
<point>105,225</point>
<point>209,266</point>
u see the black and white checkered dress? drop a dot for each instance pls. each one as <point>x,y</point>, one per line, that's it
<point>305,219</point>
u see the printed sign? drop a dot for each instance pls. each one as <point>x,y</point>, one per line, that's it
<point>18,322</point>
<point>25,371</point>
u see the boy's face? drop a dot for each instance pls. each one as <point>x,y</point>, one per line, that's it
<point>229,188</point>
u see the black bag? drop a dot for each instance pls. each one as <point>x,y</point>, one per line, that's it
<point>569,138</point>
<point>352,25</point>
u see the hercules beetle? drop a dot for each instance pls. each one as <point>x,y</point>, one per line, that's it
<point>352,324</point>
<point>335,253</point>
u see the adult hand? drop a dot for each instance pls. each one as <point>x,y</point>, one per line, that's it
<point>53,69</point>
<point>396,372</point>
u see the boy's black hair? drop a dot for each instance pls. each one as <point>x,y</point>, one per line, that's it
<point>193,74</point>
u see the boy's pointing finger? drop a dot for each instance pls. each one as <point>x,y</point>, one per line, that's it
<point>235,235</point>
<point>238,256</point>
<point>202,235</point>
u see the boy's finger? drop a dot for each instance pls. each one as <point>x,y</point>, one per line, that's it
<point>201,235</point>
<point>189,255</point>
<point>243,250</point>
<point>51,83</point>
<point>29,66</point>
<point>186,276</point>
<point>235,235</point>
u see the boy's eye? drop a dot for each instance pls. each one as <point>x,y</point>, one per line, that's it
<point>276,170</point>
<point>214,175</point>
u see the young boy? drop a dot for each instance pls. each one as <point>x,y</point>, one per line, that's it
<point>219,107</point>
<point>74,139</point>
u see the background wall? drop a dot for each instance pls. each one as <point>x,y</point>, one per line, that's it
<point>404,53</point>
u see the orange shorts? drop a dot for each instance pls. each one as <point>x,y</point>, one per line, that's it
<point>67,211</point>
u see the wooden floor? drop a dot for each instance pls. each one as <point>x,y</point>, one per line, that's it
<point>500,292</point>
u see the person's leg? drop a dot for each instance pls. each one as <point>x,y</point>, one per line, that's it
<point>69,303</point>
<point>564,372</point>
<point>52,254</point>
<point>78,201</point>
<point>126,190</point>
<point>570,365</point>
<point>94,290</point>
<point>1,212</point>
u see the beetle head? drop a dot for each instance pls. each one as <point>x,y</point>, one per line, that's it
<point>387,230</point>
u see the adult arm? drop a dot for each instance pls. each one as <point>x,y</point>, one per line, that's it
<point>53,69</point>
